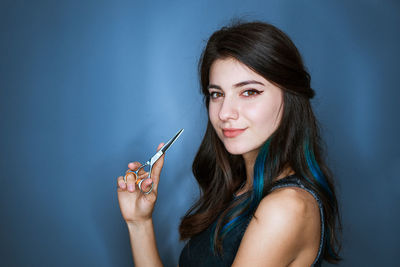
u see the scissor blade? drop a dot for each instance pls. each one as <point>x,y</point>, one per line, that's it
<point>171,141</point>
<point>164,148</point>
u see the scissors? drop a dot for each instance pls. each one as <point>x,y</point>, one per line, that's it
<point>151,162</point>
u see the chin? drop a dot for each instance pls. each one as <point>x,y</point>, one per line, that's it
<point>236,150</point>
<point>242,148</point>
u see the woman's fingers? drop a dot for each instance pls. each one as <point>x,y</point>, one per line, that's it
<point>143,175</point>
<point>131,182</point>
<point>146,185</point>
<point>157,167</point>
<point>121,183</point>
<point>134,165</point>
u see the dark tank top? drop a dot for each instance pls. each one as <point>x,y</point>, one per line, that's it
<point>198,251</point>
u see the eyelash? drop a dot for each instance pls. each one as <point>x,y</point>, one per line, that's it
<point>254,91</point>
<point>211,94</point>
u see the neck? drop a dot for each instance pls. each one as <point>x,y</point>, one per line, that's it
<point>249,161</point>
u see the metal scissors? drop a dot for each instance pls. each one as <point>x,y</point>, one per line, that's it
<point>151,162</point>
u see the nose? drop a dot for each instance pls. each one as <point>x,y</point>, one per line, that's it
<point>229,110</point>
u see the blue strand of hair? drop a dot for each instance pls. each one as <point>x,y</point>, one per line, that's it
<point>258,187</point>
<point>258,177</point>
<point>254,199</point>
<point>314,167</point>
<point>236,220</point>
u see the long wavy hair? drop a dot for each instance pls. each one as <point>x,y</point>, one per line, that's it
<point>295,143</point>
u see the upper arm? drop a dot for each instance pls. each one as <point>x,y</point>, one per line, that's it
<point>285,227</point>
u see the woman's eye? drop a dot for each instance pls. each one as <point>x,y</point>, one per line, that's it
<point>251,92</point>
<point>215,95</point>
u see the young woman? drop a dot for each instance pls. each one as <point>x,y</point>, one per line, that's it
<point>267,197</point>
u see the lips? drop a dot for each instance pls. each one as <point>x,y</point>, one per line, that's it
<point>232,132</point>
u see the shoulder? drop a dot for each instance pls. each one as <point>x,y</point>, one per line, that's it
<point>288,203</point>
<point>284,229</point>
<point>291,213</point>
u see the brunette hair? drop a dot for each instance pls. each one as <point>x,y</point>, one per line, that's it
<point>296,142</point>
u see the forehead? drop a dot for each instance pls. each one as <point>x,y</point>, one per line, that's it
<point>230,71</point>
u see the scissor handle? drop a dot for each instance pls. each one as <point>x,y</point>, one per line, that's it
<point>140,187</point>
<point>139,181</point>
<point>134,174</point>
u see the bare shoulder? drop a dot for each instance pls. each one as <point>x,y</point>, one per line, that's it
<point>285,230</point>
<point>288,203</point>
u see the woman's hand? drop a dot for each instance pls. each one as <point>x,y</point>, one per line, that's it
<point>137,207</point>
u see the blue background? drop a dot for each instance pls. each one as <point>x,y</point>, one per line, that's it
<point>87,86</point>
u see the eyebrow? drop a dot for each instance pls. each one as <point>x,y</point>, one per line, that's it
<point>240,84</point>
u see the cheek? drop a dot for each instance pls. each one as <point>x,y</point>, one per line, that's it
<point>265,116</point>
<point>213,113</point>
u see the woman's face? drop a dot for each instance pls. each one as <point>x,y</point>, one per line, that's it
<point>244,108</point>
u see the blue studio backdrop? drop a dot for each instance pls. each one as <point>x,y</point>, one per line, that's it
<point>88,86</point>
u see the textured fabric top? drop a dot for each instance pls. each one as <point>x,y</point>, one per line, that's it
<point>198,251</point>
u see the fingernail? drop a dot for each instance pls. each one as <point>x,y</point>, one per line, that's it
<point>122,184</point>
<point>130,187</point>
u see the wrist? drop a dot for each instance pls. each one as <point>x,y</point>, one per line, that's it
<point>139,225</point>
